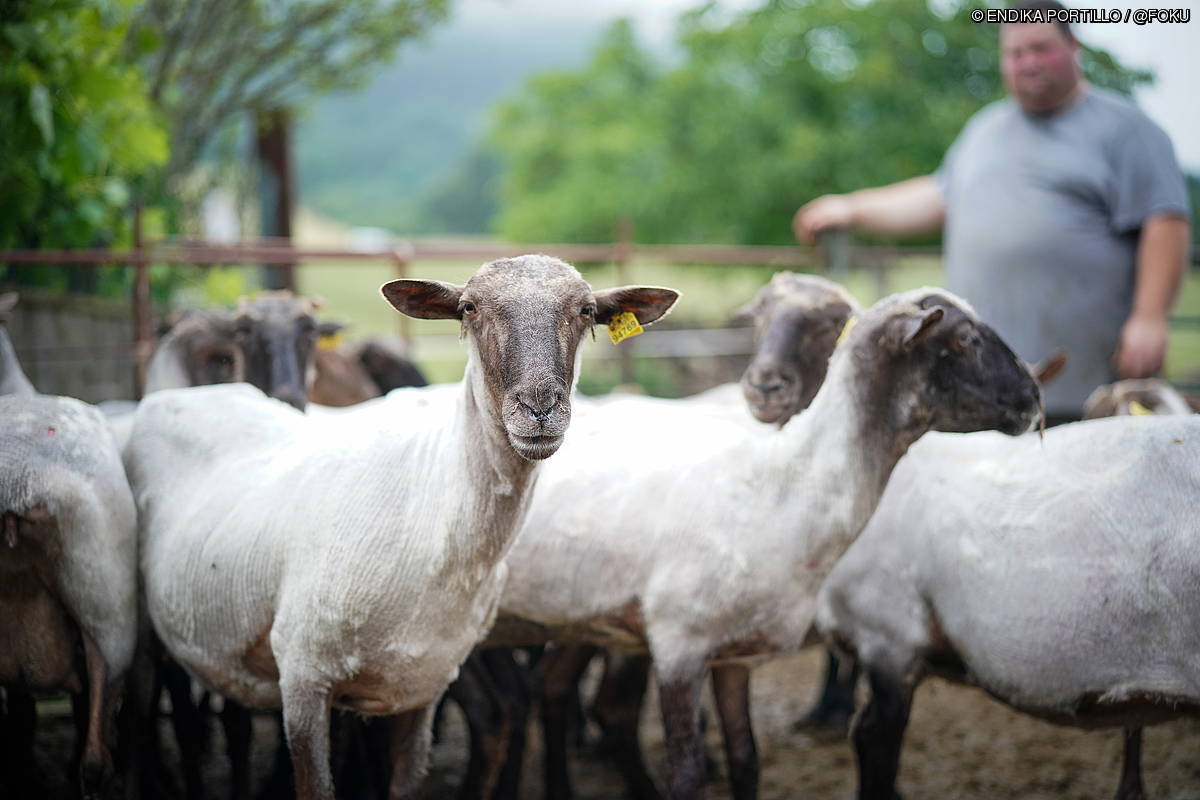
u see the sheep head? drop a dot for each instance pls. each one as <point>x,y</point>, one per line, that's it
<point>523,319</point>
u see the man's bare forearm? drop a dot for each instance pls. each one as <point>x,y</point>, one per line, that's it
<point>908,208</point>
<point>1162,255</point>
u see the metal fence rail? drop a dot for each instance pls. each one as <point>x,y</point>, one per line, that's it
<point>835,256</point>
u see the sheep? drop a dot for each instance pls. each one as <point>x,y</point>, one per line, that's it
<point>797,319</point>
<point>376,565</point>
<point>1129,397</point>
<point>268,342</point>
<point>717,561</point>
<point>68,561</point>
<point>1061,577</point>
<point>353,373</point>
<point>792,344</point>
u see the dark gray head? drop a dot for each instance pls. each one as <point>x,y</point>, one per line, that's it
<point>523,319</point>
<point>797,320</point>
<point>1135,397</point>
<point>207,344</point>
<point>277,332</point>
<point>388,365</point>
<point>930,363</point>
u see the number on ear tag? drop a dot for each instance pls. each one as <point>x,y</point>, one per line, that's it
<point>623,326</point>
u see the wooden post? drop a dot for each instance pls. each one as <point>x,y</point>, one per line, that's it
<point>835,254</point>
<point>623,255</point>
<point>143,335</point>
<point>879,271</point>
<point>272,144</point>
<point>400,259</point>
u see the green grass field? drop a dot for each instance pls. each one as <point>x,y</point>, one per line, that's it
<point>710,295</point>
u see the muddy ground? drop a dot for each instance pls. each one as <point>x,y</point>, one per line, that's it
<point>960,744</point>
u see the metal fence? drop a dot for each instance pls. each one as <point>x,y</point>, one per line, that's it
<point>835,257</point>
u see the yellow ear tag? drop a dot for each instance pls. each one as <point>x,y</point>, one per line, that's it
<point>330,342</point>
<point>1139,410</point>
<point>623,326</point>
<point>849,326</point>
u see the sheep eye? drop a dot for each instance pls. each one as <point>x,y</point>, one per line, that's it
<point>587,311</point>
<point>468,307</point>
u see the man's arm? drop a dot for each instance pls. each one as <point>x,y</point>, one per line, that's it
<point>901,209</point>
<point>1161,257</point>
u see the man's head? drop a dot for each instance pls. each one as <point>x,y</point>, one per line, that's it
<point>1040,61</point>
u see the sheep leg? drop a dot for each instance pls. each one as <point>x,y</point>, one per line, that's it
<point>561,670</point>
<point>96,766</point>
<point>1131,770</point>
<point>279,784</point>
<point>306,712</point>
<point>411,734</point>
<point>187,723</point>
<point>878,734</point>
<point>515,683</point>
<point>679,697</point>
<point>488,729</point>
<point>731,688</point>
<point>618,709</point>
<point>235,719</point>
<point>835,705</point>
<point>143,769</point>
<point>357,772</point>
<point>17,727</point>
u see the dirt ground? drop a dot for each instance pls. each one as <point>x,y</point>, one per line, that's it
<point>960,744</point>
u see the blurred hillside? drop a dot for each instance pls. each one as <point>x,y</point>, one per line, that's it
<point>385,155</point>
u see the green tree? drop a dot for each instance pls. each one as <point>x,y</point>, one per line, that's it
<point>779,105</point>
<point>209,62</point>
<point>77,126</point>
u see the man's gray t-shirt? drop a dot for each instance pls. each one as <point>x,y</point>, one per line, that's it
<point>1042,222</point>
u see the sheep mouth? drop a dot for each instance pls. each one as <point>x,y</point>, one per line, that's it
<point>769,412</point>
<point>535,448</point>
<point>767,407</point>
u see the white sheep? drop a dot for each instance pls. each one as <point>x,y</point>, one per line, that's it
<point>717,558</point>
<point>68,565</point>
<point>353,560</point>
<point>1061,576</point>
<point>1132,397</point>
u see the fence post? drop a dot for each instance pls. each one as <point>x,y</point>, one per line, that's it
<point>834,248</point>
<point>143,337</point>
<point>400,258</point>
<point>623,255</point>
<point>880,267</point>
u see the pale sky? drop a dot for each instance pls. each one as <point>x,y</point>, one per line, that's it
<point>1171,50</point>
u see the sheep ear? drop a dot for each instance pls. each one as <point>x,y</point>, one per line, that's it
<point>1102,402</point>
<point>647,303</point>
<point>423,299</point>
<point>329,328</point>
<point>8,301</point>
<point>1050,367</point>
<point>909,329</point>
<point>746,313</point>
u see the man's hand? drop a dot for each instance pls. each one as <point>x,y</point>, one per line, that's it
<point>1143,346</point>
<point>830,212</point>
<point>907,208</point>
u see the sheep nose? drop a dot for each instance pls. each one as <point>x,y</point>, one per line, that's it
<point>768,380</point>
<point>290,395</point>
<point>539,409</point>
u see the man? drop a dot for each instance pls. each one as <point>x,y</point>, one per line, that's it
<point>1065,214</point>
